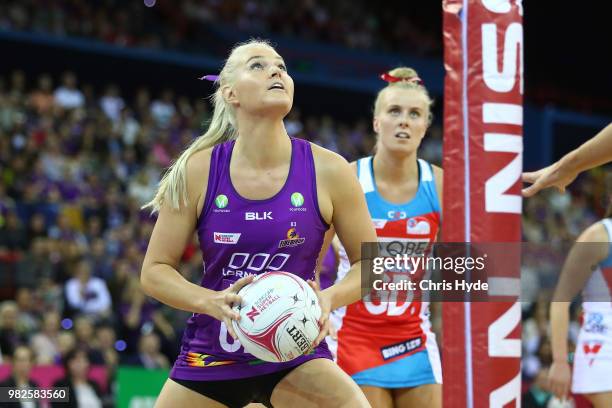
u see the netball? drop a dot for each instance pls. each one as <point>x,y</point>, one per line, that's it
<point>279,316</point>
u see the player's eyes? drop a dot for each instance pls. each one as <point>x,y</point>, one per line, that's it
<point>415,114</point>
<point>283,67</point>
<point>256,65</point>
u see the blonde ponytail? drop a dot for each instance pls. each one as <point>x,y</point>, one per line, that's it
<point>172,189</point>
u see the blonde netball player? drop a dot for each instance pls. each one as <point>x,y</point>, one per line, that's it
<point>589,260</point>
<point>388,347</point>
<point>595,152</point>
<point>248,189</point>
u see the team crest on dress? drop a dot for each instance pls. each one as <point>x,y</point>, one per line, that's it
<point>293,239</point>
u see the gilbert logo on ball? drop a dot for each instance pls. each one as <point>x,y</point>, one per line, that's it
<point>221,201</point>
<point>297,199</point>
<point>279,317</point>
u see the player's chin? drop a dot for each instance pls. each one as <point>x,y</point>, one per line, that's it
<point>403,147</point>
<point>276,106</point>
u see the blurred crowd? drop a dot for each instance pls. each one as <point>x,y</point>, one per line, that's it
<point>76,165</point>
<point>211,27</point>
<point>184,25</point>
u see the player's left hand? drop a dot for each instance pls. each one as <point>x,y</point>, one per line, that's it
<point>325,305</point>
<point>560,379</point>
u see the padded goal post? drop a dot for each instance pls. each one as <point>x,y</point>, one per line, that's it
<point>483,127</point>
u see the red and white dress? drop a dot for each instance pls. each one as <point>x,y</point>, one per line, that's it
<point>389,343</point>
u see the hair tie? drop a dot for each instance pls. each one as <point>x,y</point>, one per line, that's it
<point>392,79</point>
<point>211,78</point>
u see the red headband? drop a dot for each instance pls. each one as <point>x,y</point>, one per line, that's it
<point>392,79</point>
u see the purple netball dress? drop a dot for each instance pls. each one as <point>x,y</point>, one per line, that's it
<point>327,277</point>
<point>239,237</point>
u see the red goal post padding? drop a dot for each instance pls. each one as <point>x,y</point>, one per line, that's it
<point>483,127</point>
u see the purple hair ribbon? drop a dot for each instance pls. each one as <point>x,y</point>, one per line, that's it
<point>211,78</point>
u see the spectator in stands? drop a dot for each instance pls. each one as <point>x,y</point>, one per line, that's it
<point>46,341</point>
<point>42,99</point>
<point>34,265</point>
<point>87,294</point>
<point>84,332</point>
<point>18,83</point>
<point>37,227</point>
<point>6,202</point>
<point>83,392</point>
<point>65,343</point>
<point>163,109</point>
<point>22,361</point>
<point>102,264</point>
<point>142,188</point>
<point>112,103</point>
<point>53,159</point>
<point>28,315</point>
<point>141,313</point>
<point>105,345</point>
<point>49,293</point>
<point>67,95</point>
<point>119,282</point>
<point>535,332</point>
<point>13,236</point>
<point>11,334</point>
<point>149,355</point>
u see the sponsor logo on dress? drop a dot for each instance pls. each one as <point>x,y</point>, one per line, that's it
<point>221,201</point>
<point>226,238</point>
<point>378,223</point>
<point>297,201</point>
<point>293,239</point>
<point>591,347</point>
<point>396,215</point>
<point>595,324</point>
<point>258,216</point>
<point>399,349</point>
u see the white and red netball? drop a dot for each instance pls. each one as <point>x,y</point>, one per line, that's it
<point>279,317</point>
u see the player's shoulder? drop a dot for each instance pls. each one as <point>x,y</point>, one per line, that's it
<point>329,164</point>
<point>198,168</point>
<point>438,172</point>
<point>597,232</point>
<point>438,175</point>
<point>199,162</point>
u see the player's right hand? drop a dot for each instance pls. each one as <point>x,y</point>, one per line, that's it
<point>557,175</point>
<point>559,378</point>
<point>221,302</point>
